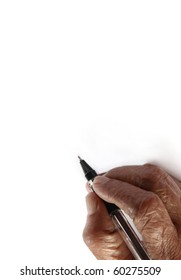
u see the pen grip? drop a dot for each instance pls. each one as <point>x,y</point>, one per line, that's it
<point>129,235</point>
<point>111,208</point>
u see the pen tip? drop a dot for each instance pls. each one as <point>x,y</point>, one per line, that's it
<point>79,158</point>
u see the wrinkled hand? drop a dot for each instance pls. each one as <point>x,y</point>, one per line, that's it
<point>151,197</point>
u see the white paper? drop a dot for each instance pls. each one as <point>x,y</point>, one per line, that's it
<point>98,79</point>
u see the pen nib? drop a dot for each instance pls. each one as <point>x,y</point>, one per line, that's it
<point>79,158</point>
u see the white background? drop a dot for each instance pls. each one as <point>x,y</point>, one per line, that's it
<point>99,79</point>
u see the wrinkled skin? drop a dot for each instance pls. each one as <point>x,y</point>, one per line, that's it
<point>151,197</point>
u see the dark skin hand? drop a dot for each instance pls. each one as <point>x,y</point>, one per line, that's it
<point>151,197</point>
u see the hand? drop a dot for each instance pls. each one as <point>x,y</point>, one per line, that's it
<point>151,197</point>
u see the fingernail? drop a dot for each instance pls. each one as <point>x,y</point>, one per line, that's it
<point>88,188</point>
<point>100,180</point>
<point>91,204</point>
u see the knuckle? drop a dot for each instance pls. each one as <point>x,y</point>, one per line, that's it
<point>154,173</point>
<point>148,204</point>
<point>151,199</point>
<point>88,237</point>
<point>92,239</point>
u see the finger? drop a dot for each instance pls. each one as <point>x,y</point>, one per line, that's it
<point>177,181</point>
<point>88,187</point>
<point>147,211</point>
<point>100,234</point>
<point>154,179</point>
<point>124,195</point>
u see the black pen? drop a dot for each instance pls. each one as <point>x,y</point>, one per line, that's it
<point>122,224</point>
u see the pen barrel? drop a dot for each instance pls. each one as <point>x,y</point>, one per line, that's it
<point>129,235</point>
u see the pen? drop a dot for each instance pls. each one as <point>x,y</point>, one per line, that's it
<point>122,224</point>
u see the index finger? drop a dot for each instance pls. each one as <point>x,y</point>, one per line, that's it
<point>152,178</point>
